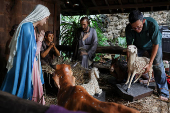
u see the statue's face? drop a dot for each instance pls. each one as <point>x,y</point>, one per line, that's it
<point>43,21</point>
<point>84,25</point>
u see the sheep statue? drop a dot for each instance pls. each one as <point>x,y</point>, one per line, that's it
<point>136,65</point>
<point>92,87</point>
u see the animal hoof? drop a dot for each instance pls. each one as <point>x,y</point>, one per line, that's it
<point>146,86</point>
<point>127,90</point>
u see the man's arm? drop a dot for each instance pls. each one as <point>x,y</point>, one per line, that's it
<point>56,51</point>
<point>153,54</point>
<point>155,38</point>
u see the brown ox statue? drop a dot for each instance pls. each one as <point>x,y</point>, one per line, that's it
<point>77,98</point>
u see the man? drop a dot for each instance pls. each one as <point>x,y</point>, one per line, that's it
<point>85,43</point>
<point>144,33</point>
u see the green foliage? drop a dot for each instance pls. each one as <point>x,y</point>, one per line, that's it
<point>122,42</point>
<point>98,55</point>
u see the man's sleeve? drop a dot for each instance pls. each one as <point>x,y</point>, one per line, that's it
<point>155,34</point>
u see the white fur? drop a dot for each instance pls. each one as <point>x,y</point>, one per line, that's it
<point>92,86</point>
<point>136,65</point>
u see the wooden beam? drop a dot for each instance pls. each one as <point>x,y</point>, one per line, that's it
<point>102,49</point>
<point>136,2</point>
<point>49,1</point>
<point>95,5</point>
<point>130,6</point>
<point>108,5</point>
<point>120,2</point>
<point>82,4</point>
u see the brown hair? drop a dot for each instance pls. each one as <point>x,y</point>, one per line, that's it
<point>85,18</point>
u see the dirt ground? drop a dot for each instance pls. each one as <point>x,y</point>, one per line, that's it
<point>145,105</point>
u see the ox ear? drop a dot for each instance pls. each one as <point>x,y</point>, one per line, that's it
<point>73,80</point>
<point>56,79</point>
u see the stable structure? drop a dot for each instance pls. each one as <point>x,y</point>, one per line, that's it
<point>92,7</point>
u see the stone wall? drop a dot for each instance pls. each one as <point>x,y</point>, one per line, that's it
<point>114,24</point>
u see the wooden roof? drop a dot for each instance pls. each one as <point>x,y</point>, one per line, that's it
<point>82,7</point>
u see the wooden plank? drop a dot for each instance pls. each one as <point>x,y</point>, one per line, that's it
<point>137,91</point>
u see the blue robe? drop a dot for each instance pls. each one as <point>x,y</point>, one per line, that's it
<point>18,80</point>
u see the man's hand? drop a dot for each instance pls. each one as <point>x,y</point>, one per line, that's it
<point>41,36</point>
<point>147,68</point>
<point>52,45</point>
<point>83,53</point>
<point>86,36</point>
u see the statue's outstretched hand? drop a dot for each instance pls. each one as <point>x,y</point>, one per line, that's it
<point>41,36</point>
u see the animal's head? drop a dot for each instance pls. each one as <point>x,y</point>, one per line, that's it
<point>95,71</point>
<point>114,64</point>
<point>132,49</point>
<point>63,71</point>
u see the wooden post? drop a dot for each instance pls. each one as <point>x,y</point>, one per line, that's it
<point>57,22</point>
<point>17,12</point>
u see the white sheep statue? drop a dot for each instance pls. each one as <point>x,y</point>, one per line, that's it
<point>92,87</point>
<point>136,65</point>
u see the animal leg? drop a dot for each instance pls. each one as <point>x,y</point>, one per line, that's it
<point>150,75</point>
<point>129,74</point>
<point>98,90</point>
<point>137,78</point>
<point>131,80</point>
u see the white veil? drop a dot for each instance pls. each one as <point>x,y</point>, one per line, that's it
<point>39,13</point>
